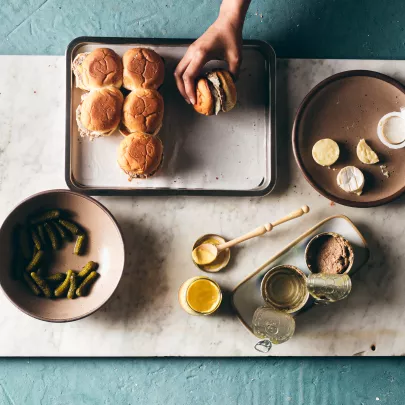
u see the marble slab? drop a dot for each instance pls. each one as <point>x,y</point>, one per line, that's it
<point>144,318</point>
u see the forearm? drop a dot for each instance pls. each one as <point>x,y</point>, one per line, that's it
<point>234,11</point>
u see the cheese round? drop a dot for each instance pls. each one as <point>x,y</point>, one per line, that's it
<point>365,154</point>
<point>325,152</point>
<point>351,180</point>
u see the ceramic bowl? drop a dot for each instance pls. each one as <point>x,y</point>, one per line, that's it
<point>105,246</point>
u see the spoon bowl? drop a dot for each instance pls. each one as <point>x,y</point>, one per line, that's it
<point>205,253</point>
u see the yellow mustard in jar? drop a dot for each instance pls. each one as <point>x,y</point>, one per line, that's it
<point>200,296</point>
<point>203,296</point>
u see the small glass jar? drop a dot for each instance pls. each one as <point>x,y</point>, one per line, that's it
<point>200,296</point>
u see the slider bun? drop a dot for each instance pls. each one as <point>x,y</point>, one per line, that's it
<point>102,68</point>
<point>205,100</point>
<point>101,110</point>
<point>142,112</point>
<point>140,155</point>
<point>229,88</point>
<point>143,68</point>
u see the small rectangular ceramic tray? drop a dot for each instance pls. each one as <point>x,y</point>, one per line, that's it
<point>231,154</point>
<point>247,296</point>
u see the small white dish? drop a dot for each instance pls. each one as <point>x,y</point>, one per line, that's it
<point>391,129</point>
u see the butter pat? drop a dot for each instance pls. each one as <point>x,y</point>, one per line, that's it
<point>391,129</point>
<point>351,180</point>
<point>366,154</point>
<point>325,152</point>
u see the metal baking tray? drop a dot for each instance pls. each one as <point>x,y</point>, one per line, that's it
<point>232,154</point>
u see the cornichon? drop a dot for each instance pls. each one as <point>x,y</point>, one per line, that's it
<point>86,283</point>
<point>36,261</point>
<point>80,245</point>
<point>70,226</point>
<point>55,278</point>
<point>36,239</point>
<point>24,242</point>
<point>52,236</point>
<point>42,284</point>
<point>63,288</point>
<point>72,288</point>
<point>41,233</point>
<point>33,287</point>
<point>46,216</point>
<point>87,269</point>
<point>63,232</point>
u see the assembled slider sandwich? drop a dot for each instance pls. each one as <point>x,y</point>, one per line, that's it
<point>99,68</point>
<point>99,113</point>
<point>143,69</point>
<point>216,92</point>
<point>140,155</point>
<point>142,112</point>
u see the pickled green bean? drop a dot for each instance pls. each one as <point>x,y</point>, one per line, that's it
<point>86,283</point>
<point>31,284</point>
<point>80,245</point>
<point>70,226</point>
<point>36,261</point>
<point>42,284</point>
<point>46,216</point>
<point>63,288</point>
<point>72,288</point>
<point>52,236</point>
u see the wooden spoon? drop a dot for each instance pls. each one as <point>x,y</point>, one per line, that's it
<point>206,253</point>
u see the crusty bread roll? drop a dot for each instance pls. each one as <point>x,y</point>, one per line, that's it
<point>143,68</point>
<point>99,68</point>
<point>140,155</point>
<point>99,113</point>
<point>143,112</point>
<point>216,92</point>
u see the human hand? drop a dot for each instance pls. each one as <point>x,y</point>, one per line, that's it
<point>222,40</point>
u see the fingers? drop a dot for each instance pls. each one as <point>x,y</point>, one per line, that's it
<point>178,75</point>
<point>234,60</point>
<point>187,71</point>
<point>191,74</point>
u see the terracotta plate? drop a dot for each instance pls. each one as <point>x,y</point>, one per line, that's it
<point>105,247</point>
<point>346,107</point>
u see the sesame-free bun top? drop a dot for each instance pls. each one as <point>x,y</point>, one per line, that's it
<point>142,112</point>
<point>143,68</point>
<point>140,155</point>
<point>101,110</point>
<point>229,88</point>
<point>102,68</point>
<point>205,100</point>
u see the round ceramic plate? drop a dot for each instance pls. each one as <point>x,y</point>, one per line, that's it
<point>347,107</point>
<point>105,246</point>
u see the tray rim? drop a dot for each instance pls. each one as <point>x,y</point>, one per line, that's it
<point>298,119</point>
<point>270,56</point>
<point>286,249</point>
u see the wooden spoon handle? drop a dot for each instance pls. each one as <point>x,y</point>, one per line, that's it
<point>295,214</point>
<point>261,230</point>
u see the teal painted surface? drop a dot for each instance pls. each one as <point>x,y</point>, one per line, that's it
<point>297,28</point>
<point>188,382</point>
